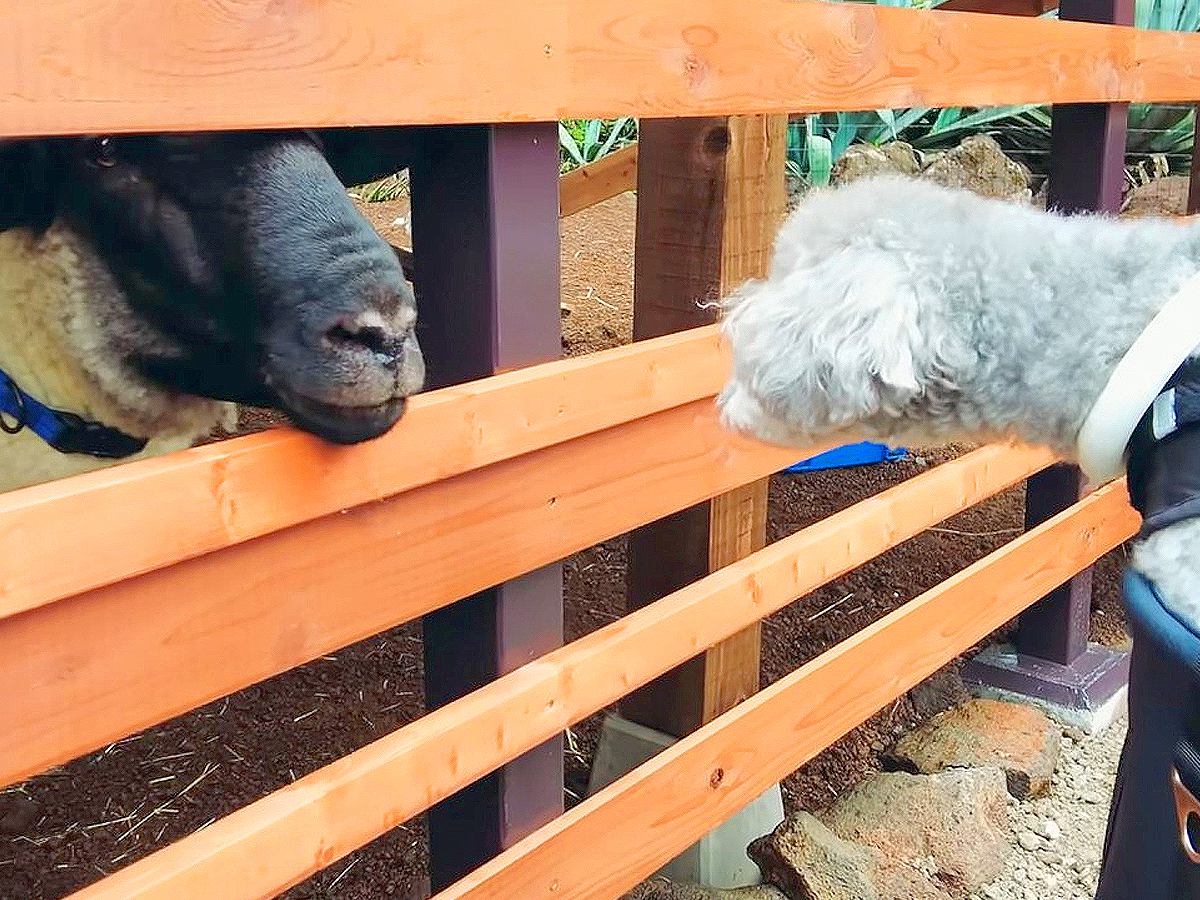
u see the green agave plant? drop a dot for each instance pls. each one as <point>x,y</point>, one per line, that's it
<point>583,141</point>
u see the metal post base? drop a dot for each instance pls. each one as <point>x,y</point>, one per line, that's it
<point>1087,694</point>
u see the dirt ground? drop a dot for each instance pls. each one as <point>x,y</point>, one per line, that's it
<point>63,830</point>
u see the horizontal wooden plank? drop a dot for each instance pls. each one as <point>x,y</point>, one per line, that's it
<point>101,665</point>
<point>286,836</point>
<point>142,516</point>
<point>616,838</point>
<point>75,66</point>
<point>599,181</point>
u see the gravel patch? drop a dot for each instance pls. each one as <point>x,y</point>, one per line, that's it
<point>1058,838</point>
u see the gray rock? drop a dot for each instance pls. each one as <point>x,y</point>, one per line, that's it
<point>958,820</point>
<point>978,164</point>
<point>810,862</point>
<point>867,160</point>
<point>939,692</point>
<point>1029,841</point>
<point>1048,829</point>
<point>1019,739</point>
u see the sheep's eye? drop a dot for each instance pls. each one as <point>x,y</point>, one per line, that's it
<point>102,152</point>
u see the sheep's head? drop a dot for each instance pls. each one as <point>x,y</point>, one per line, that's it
<point>250,274</point>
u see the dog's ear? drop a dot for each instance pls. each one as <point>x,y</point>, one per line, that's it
<point>825,347</point>
<point>27,193</point>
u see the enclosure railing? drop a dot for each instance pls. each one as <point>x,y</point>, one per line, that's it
<point>482,482</point>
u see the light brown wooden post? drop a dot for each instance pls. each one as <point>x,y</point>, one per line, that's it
<point>711,195</point>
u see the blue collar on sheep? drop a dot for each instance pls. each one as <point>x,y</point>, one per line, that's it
<point>64,431</point>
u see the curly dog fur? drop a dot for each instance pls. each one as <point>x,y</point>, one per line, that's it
<point>901,311</point>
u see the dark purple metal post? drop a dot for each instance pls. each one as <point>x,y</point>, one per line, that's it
<point>485,235</point>
<point>1193,198</point>
<point>1053,660</point>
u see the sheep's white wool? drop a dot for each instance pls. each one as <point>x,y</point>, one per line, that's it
<point>65,334</point>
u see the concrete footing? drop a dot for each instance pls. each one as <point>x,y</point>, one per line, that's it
<point>719,858</point>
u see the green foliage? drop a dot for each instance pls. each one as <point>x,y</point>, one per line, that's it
<point>393,187</point>
<point>583,141</point>
<point>1167,15</point>
<point>818,141</point>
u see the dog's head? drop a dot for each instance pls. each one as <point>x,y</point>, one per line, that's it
<point>822,351</point>
<point>843,338</point>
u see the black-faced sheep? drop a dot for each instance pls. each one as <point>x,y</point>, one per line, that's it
<point>149,282</point>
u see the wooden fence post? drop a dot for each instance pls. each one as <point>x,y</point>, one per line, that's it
<point>711,195</point>
<point>1054,661</point>
<point>485,238</point>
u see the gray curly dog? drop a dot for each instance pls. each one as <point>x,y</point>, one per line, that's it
<point>901,311</point>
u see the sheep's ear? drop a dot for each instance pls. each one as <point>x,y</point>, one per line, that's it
<point>26,189</point>
<point>362,155</point>
<point>827,347</point>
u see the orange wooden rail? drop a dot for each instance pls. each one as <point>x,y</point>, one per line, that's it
<point>277,841</point>
<point>134,518</point>
<point>596,182</point>
<point>320,546</point>
<point>95,667</point>
<point>611,841</point>
<point>127,65</point>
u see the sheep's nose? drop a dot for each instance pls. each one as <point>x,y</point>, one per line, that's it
<point>370,332</point>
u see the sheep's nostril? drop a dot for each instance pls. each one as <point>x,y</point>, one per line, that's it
<point>372,338</point>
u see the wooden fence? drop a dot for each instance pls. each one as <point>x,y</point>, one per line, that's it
<point>492,478</point>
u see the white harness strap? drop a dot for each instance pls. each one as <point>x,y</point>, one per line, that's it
<point>1168,340</point>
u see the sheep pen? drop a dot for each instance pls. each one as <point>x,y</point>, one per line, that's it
<point>62,829</point>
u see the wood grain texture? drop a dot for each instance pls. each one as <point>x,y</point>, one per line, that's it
<point>599,181</point>
<point>755,197</point>
<point>754,206</point>
<point>71,66</point>
<point>220,495</point>
<point>620,835</point>
<point>711,196</point>
<point>737,527</point>
<point>260,849</point>
<point>103,664</point>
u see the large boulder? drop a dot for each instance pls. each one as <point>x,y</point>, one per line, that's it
<point>978,164</point>
<point>895,836</point>
<point>867,160</point>
<point>1019,739</point>
<point>810,862</point>
<point>946,831</point>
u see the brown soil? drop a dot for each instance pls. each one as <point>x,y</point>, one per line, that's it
<point>64,829</point>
